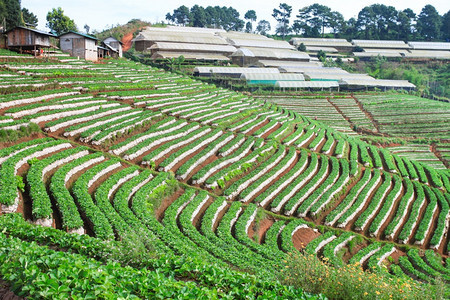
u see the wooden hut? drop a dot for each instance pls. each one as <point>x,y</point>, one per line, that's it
<point>114,45</point>
<point>27,39</point>
<point>79,45</point>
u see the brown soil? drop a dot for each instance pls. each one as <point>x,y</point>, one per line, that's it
<point>368,114</point>
<point>258,127</point>
<point>349,254</point>
<point>126,40</point>
<point>165,203</point>
<point>319,219</point>
<point>208,161</point>
<point>99,181</point>
<point>419,219</point>
<point>366,204</point>
<point>392,213</point>
<point>262,189</point>
<point>35,136</point>
<point>6,293</point>
<point>303,236</point>
<point>197,220</point>
<point>219,218</point>
<point>265,135</point>
<point>264,225</point>
<point>397,254</point>
<point>432,229</point>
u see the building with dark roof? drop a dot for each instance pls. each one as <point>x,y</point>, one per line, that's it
<point>27,39</point>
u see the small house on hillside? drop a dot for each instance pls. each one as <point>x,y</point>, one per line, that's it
<point>79,45</point>
<point>114,45</point>
<point>27,39</point>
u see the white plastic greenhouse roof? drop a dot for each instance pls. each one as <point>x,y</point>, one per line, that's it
<point>321,42</point>
<point>189,55</point>
<point>318,48</point>
<point>377,83</point>
<point>288,63</point>
<point>271,53</point>
<point>328,76</point>
<point>180,37</point>
<point>428,54</point>
<point>267,43</point>
<point>381,44</point>
<point>242,35</point>
<point>375,54</point>
<point>274,76</point>
<point>165,46</point>
<point>231,70</point>
<point>185,29</point>
<point>306,84</point>
<point>429,45</point>
<point>312,69</point>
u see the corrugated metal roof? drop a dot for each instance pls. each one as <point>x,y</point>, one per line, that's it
<point>231,70</point>
<point>312,69</point>
<point>180,37</point>
<point>428,54</point>
<point>385,50</point>
<point>256,43</point>
<point>242,35</point>
<point>278,77</point>
<point>321,42</point>
<point>334,76</point>
<point>319,48</point>
<point>306,84</point>
<point>80,34</point>
<point>380,44</point>
<point>189,55</point>
<point>33,30</point>
<point>374,54</point>
<point>429,45</point>
<point>288,63</point>
<point>192,47</point>
<point>377,83</point>
<point>185,29</point>
<point>271,53</point>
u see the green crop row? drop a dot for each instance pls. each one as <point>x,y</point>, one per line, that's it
<point>41,203</point>
<point>65,203</point>
<point>387,207</point>
<point>8,180</point>
<point>326,199</point>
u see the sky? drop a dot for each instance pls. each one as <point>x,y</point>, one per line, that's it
<point>103,14</point>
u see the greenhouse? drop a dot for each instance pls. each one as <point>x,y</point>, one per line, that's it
<point>384,84</point>
<point>381,44</point>
<point>231,72</point>
<point>191,55</point>
<point>296,85</point>
<point>429,46</point>
<point>181,47</point>
<point>270,79</point>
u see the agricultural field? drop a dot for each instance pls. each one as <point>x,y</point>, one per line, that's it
<point>421,153</point>
<point>408,116</point>
<point>206,182</point>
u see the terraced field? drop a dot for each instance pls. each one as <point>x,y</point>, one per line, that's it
<point>132,152</point>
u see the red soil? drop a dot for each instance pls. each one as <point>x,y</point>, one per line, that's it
<point>303,236</point>
<point>126,40</point>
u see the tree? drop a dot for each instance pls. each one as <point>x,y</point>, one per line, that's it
<point>282,16</point>
<point>87,28</point>
<point>429,23</point>
<point>313,20</point>
<point>180,16</point>
<point>405,27</point>
<point>29,18</point>
<point>263,27</point>
<point>445,29</point>
<point>251,17</point>
<point>301,47</point>
<point>58,22</point>
<point>198,16</point>
<point>12,14</point>
<point>378,22</point>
